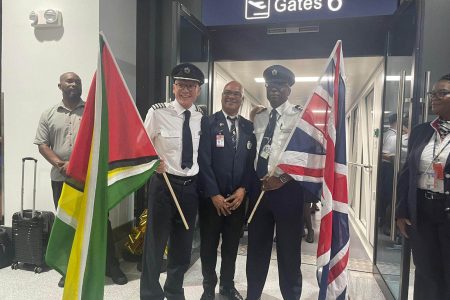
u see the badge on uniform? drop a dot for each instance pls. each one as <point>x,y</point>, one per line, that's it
<point>249,145</point>
<point>438,170</point>
<point>220,140</point>
<point>265,151</point>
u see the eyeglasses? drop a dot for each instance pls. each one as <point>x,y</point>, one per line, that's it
<point>231,93</point>
<point>189,87</point>
<point>438,94</point>
<point>278,86</point>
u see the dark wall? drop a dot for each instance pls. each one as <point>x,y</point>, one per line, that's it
<point>360,37</point>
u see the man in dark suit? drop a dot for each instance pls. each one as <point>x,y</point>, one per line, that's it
<point>225,158</point>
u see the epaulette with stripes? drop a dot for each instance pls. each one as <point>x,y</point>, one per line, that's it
<point>197,108</point>
<point>158,105</point>
<point>298,107</point>
<point>261,110</point>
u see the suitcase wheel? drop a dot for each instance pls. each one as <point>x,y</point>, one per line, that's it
<point>37,270</point>
<point>15,266</point>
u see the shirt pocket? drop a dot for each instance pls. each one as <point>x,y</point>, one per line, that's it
<point>195,139</point>
<point>284,134</point>
<point>171,140</point>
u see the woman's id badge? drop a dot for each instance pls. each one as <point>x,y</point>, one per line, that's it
<point>220,140</point>
<point>438,170</point>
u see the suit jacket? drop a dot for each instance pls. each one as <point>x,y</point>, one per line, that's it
<point>224,169</point>
<point>409,175</point>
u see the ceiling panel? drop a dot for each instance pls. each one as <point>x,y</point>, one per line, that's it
<point>357,69</point>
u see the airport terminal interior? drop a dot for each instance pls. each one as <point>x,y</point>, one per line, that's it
<point>394,51</point>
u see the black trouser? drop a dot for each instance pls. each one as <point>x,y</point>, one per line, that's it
<point>111,259</point>
<point>430,243</point>
<point>212,226</point>
<point>283,207</point>
<point>164,224</point>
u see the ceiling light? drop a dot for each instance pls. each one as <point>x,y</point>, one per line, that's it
<point>397,78</point>
<point>298,79</point>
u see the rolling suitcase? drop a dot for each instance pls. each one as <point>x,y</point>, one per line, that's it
<point>30,230</point>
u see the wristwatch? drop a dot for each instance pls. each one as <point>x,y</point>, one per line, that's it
<point>284,178</point>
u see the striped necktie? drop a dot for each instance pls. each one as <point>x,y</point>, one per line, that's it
<point>233,131</point>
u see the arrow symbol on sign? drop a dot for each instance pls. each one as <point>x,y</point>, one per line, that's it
<point>257,4</point>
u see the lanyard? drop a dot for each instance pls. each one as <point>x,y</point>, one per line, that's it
<point>434,150</point>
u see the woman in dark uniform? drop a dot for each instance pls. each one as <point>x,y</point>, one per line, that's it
<point>423,199</point>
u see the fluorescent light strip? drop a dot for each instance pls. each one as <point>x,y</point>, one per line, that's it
<point>297,79</point>
<point>315,78</point>
<point>397,78</point>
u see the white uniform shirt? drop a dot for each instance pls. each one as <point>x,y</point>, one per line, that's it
<point>287,116</point>
<point>164,125</point>
<point>389,141</point>
<point>427,178</point>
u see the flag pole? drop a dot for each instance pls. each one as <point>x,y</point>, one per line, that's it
<point>175,200</point>
<point>290,135</point>
<point>256,205</point>
<point>262,193</point>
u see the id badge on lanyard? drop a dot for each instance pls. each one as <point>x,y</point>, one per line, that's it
<point>437,175</point>
<point>220,140</point>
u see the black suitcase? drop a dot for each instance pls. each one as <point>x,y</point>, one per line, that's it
<point>6,249</point>
<point>30,230</point>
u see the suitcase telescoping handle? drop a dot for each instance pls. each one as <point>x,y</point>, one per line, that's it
<point>34,185</point>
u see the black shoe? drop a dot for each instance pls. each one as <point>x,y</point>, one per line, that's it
<point>310,236</point>
<point>231,293</point>
<point>61,282</point>
<point>208,295</point>
<point>117,276</point>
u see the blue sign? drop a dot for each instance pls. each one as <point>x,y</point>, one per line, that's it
<point>239,12</point>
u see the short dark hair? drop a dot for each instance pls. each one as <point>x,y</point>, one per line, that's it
<point>392,119</point>
<point>445,77</point>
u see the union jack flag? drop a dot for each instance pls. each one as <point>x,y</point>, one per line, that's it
<point>315,155</point>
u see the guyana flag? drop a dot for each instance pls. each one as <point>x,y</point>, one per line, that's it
<point>113,156</point>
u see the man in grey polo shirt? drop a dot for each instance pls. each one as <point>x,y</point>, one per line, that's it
<point>55,137</point>
<point>58,128</point>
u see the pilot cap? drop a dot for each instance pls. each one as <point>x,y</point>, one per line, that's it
<point>187,71</point>
<point>279,74</point>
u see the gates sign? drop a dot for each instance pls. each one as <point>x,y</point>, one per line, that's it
<point>239,12</point>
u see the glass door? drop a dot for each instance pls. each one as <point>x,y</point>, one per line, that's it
<point>193,46</point>
<point>361,162</point>
<point>391,251</point>
<point>191,43</point>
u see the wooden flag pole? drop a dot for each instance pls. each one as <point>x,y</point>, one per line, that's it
<point>175,200</point>
<point>256,206</point>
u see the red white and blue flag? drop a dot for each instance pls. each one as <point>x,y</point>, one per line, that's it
<point>315,155</point>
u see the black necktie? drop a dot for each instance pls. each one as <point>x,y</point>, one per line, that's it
<point>186,151</point>
<point>233,130</point>
<point>261,166</point>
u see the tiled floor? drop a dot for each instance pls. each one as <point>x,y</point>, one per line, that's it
<point>22,284</point>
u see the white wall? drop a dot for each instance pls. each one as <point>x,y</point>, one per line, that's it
<point>31,64</point>
<point>221,78</point>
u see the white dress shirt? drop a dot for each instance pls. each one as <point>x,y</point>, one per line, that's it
<point>427,180</point>
<point>287,116</point>
<point>164,125</point>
